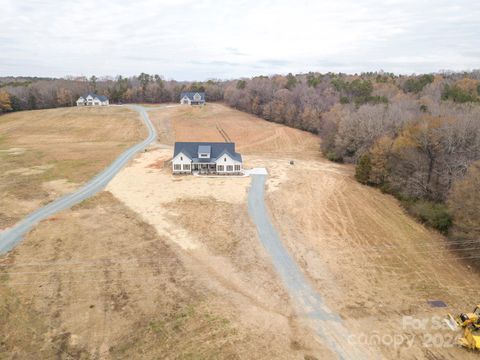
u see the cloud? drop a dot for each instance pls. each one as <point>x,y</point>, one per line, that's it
<point>200,39</point>
<point>234,51</point>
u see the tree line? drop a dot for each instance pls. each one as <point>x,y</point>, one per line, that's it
<point>416,137</point>
<point>23,93</point>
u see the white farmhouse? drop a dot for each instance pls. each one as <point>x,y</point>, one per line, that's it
<point>92,100</point>
<point>206,158</point>
<point>192,98</point>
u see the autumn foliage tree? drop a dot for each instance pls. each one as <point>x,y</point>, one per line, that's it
<point>5,103</point>
<point>464,203</point>
<point>412,136</point>
<point>64,97</point>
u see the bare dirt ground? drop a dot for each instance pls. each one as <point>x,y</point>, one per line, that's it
<point>171,267</point>
<point>375,265</point>
<point>134,274</point>
<point>97,282</point>
<point>206,220</point>
<point>46,153</point>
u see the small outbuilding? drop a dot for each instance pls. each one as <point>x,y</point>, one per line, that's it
<point>206,158</point>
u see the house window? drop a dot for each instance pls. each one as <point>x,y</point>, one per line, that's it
<point>177,167</point>
<point>224,159</point>
<point>181,158</point>
<point>229,167</point>
<point>186,167</point>
<point>220,167</point>
<point>237,167</point>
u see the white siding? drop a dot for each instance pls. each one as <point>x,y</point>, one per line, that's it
<point>228,164</point>
<point>89,100</point>
<point>181,160</point>
<point>185,100</point>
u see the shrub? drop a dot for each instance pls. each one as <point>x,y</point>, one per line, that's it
<point>363,169</point>
<point>332,156</point>
<point>435,215</point>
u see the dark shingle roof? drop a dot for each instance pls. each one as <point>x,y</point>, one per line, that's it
<point>190,95</point>
<point>99,97</point>
<point>204,149</point>
<point>216,150</point>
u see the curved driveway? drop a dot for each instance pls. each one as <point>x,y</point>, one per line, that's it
<point>328,325</point>
<point>11,237</point>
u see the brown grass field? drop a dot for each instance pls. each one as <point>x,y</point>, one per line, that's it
<point>163,267</point>
<point>45,153</point>
<point>250,134</point>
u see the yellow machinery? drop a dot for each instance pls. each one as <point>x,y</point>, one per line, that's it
<point>470,323</point>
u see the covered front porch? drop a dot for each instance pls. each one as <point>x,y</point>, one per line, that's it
<point>204,168</point>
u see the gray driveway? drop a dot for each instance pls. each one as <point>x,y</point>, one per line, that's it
<point>309,304</point>
<point>11,237</point>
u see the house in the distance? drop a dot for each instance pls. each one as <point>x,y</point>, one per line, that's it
<point>206,158</point>
<point>192,98</point>
<point>92,100</point>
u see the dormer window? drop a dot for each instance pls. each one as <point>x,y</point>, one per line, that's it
<point>204,151</point>
<point>224,159</point>
<point>181,158</point>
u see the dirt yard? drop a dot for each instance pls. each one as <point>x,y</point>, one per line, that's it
<point>169,267</point>
<point>46,153</point>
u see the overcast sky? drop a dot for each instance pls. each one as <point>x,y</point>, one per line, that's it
<point>201,39</point>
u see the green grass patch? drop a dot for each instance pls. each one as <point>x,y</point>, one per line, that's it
<point>432,214</point>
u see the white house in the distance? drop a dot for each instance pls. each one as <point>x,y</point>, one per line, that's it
<point>192,98</point>
<point>206,158</point>
<point>92,100</point>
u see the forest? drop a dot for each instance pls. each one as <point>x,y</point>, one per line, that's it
<point>416,137</point>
